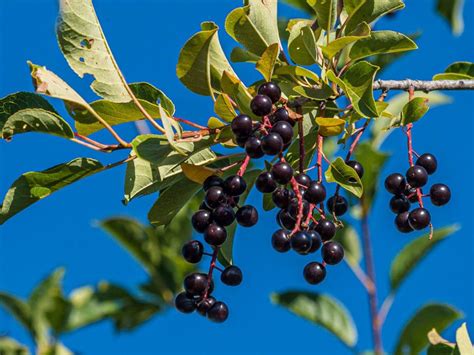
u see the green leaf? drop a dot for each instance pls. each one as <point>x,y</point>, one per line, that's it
<point>369,10</point>
<point>322,310</point>
<point>323,93</point>
<point>409,257</point>
<point>85,48</point>
<point>345,176</point>
<point>326,13</point>
<point>171,201</point>
<point>413,336</point>
<point>9,346</point>
<point>18,309</point>
<point>156,149</point>
<point>232,86</point>
<point>452,11</point>
<point>381,42</point>
<point>350,240</point>
<point>267,61</point>
<point>202,61</point>
<point>254,26</point>
<point>225,255</point>
<point>330,126</point>
<point>297,71</point>
<point>334,47</point>
<point>302,44</point>
<point>240,55</point>
<point>457,71</point>
<point>34,186</point>
<point>171,126</point>
<point>223,108</point>
<point>300,4</point>
<point>463,340</point>
<point>439,345</point>
<point>414,110</point>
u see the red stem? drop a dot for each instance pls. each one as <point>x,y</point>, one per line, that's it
<point>212,266</point>
<point>189,123</point>
<point>244,165</point>
<point>295,186</point>
<point>302,149</point>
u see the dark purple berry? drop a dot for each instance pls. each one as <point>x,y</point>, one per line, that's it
<point>265,182</point>
<point>419,218</point>
<point>417,176</point>
<point>332,253</point>
<point>285,220</point>
<point>192,251</point>
<point>184,303</point>
<point>399,204</point>
<point>440,194</point>
<point>357,167</point>
<point>281,241</point>
<point>261,105</point>
<point>282,115</point>
<point>218,312</point>
<point>212,180</point>
<point>314,273</point>
<point>253,148</point>
<point>231,276</point>
<point>293,208</point>
<point>201,220</point>
<point>395,183</point>
<point>326,229</point>
<point>233,201</point>
<point>205,305</point>
<point>215,234</point>
<point>195,284</point>
<point>401,222</point>
<point>301,242</point>
<point>241,141</point>
<point>247,216</point>
<point>285,131</point>
<point>235,185</point>
<point>271,90</point>
<point>272,144</point>
<point>281,197</point>
<point>315,193</point>
<point>215,197</point>
<point>410,193</point>
<point>315,240</point>
<point>223,215</point>
<point>282,172</point>
<point>303,179</point>
<point>428,161</point>
<point>242,126</point>
<point>337,205</point>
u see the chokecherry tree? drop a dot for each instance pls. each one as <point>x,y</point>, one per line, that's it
<point>290,134</point>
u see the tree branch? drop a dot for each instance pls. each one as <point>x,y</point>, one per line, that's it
<point>423,85</point>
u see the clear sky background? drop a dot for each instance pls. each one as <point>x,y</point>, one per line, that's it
<point>146,37</point>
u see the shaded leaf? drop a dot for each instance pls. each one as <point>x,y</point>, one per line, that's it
<point>36,185</point>
<point>267,61</point>
<point>369,10</point>
<point>457,71</point>
<point>326,12</point>
<point>334,47</point>
<point>223,108</point>
<point>240,55</point>
<point>452,11</point>
<point>414,110</point>
<point>297,71</point>
<point>345,176</point>
<point>232,86</point>
<point>300,4</point>
<point>9,346</point>
<point>322,310</point>
<point>302,44</point>
<point>409,257</point>
<point>18,309</point>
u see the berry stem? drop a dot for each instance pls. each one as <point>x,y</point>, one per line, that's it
<point>301,142</point>
<point>189,123</point>
<point>244,165</point>
<point>212,266</point>
<point>295,186</point>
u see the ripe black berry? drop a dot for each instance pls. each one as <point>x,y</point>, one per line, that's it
<point>332,253</point>
<point>285,220</point>
<point>285,131</point>
<point>401,222</point>
<point>218,312</point>
<point>399,204</point>
<point>247,216</point>
<point>235,185</point>
<point>223,215</point>
<point>357,167</point>
<point>416,176</point>
<point>314,273</point>
<point>411,194</point>
<point>192,251</point>
<point>315,241</point>
<point>440,194</point>
<point>337,205</point>
<point>253,148</point>
<point>215,197</point>
<point>427,161</point>
<point>212,180</point>
<point>303,179</point>
<point>184,303</point>
<point>265,182</point>
<point>281,197</point>
<point>261,105</point>
<point>215,234</point>
<point>315,193</point>
<point>271,90</point>
<point>326,229</point>
<point>242,126</point>
<point>282,115</point>
<point>282,172</point>
<point>395,183</point>
<point>281,241</point>
<point>241,141</point>
<point>195,284</point>
<point>272,143</point>
<point>419,218</point>
<point>201,220</point>
<point>205,305</point>
<point>293,208</point>
<point>301,242</point>
<point>231,276</point>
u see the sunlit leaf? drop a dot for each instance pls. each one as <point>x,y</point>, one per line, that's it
<point>330,126</point>
<point>457,71</point>
<point>414,110</point>
<point>302,44</point>
<point>345,176</point>
<point>267,61</point>
<point>334,47</point>
<point>326,12</point>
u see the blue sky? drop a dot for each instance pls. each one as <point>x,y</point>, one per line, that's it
<point>146,37</point>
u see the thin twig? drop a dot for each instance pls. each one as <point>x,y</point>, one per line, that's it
<point>423,85</point>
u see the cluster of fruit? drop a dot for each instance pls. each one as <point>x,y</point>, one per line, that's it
<point>407,189</point>
<point>215,214</point>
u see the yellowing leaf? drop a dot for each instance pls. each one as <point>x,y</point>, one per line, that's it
<point>330,126</point>
<point>197,173</point>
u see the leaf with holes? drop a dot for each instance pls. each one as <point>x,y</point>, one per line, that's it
<point>345,176</point>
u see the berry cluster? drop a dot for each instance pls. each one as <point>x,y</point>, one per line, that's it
<point>215,214</point>
<point>407,190</point>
